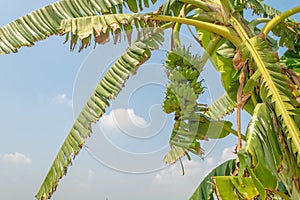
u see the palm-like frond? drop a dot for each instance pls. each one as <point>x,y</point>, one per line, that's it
<point>206,188</point>
<point>275,88</point>
<point>44,22</point>
<point>260,8</point>
<point>288,31</point>
<point>82,20</point>
<point>269,11</point>
<point>110,85</point>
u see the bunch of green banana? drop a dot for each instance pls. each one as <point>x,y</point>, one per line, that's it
<point>181,57</point>
<point>180,97</point>
<point>182,94</point>
<point>198,89</point>
<point>175,76</point>
<point>184,88</point>
<point>171,103</point>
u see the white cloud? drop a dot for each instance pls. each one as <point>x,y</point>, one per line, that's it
<point>193,169</point>
<point>15,158</point>
<point>210,160</point>
<point>59,98</point>
<point>62,99</point>
<point>91,175</point>
<point>171,178</point>
<point>123,119</point>
<point>227,154</point>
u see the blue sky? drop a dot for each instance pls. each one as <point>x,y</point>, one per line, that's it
<point>38,85</point>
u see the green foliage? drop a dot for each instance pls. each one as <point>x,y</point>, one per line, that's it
<point>288,33</point>
<point>257,6</point>
<point>275,88</point>
<point>268,154</point>
<point>264,170</point>
<point>172,7</point>
<point>221,107</point>
<point>262,145</point>
<point>268,165</point>
<point>206,189</point>
<point>232,187</point>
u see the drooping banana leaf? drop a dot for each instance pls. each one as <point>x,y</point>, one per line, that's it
<point>101,27</point>
<point>274,88</point>
<point>186,136</point>
<point>44,22</point>
<point>108,88</point>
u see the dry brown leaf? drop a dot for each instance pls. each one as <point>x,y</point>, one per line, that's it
<point>114,26</point>
<point>237,60</point>
<point>102,38</point>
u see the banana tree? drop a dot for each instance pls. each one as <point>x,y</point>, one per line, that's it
<point>242,51</point>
